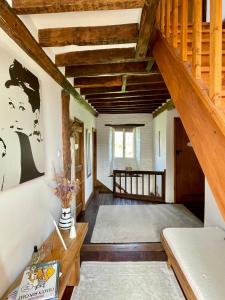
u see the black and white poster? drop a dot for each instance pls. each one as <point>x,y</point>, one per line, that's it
<point>21,134</point>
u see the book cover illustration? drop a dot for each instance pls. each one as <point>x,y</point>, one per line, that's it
<point>40,281</point>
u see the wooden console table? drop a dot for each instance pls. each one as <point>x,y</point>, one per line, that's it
<point>69,260</point>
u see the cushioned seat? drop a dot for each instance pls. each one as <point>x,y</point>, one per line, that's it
<point>200,253</point>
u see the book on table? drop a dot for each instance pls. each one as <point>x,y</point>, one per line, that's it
<point>40,281</point>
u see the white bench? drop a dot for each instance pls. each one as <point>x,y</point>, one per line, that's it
<point>197,256</point>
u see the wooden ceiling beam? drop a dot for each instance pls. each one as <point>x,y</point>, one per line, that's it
<point>160,86</point>
<point>100,81</point>
<point>15,28</point>
<point>91,57</point>
<point>107,81</point>
<point>125,100</point>
<point>129,111</point>
<point>128,94</point>
<point>24,7</point>
<point>82,36</point>
<point>106,69</point>
<point>146,27</point>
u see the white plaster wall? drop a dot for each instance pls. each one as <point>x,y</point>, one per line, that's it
<point>103,141</point>
<point>25,210</point>
<point>164,123</point>
<point>78,111</point>
<point>213,216</point>
<point>208,10</point>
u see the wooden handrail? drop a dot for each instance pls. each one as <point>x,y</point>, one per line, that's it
<point>215,50</point>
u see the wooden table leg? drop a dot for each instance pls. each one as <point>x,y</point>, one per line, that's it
<point>75,273</point>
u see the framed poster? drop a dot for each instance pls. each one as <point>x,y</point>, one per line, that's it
<point>21,135</point>
<point>88,153</point>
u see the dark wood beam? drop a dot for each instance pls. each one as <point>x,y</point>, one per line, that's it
<point>100,81</point>
<point>125,100</point>
<point>106,69</point>
<point>128,103</point>
<point>128,94</point>
<point>107,81</point>
<point>129,111</point>
<point>81,36</point>
<point>167,106</point>
<point>15,28</point>
<point>24,7</point>
<point>141,87</point>
<point>146,27</point>
<point>91,57</point>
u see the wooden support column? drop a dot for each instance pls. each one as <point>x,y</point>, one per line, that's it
<point>197,39</point>
<point>215,50</point>
<point>184,27</point>
<point>66,130</point>
<point>175,24</point>
<point>168,10</point>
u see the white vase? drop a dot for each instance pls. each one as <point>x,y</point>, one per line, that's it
<point>65,220</point>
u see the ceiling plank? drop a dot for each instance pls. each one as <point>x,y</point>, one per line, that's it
<point>106,69</point>
<point>15,28</point>
<point>128,111</point>
<point>146,27</point>
<point>128,94</point>
<point>91,57</point>
<point>101,81</point>
<point>81,36</point>
<point>160,86</point>
<point>56,6</point>
<point>129,99</point>
<point>137,79</point>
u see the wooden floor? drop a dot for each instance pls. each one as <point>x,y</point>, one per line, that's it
<point>115,252</point>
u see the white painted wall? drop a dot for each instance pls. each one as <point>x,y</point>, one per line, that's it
<point>78,111</point>
<point>103,142</point>
<point>164,123</point>
<point>213,216</point>
<point>26,209</point>
<point>208,10</point>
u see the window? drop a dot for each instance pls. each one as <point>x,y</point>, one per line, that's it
<point>124,143</point>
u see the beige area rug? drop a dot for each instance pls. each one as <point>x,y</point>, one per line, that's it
<point>127,281</point>
<point>139,223</point>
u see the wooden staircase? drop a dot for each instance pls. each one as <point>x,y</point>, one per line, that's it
<point>191,58</point>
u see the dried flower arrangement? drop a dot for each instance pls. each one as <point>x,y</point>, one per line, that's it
<point>64,188</point>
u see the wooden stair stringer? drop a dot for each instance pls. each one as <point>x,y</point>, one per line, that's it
<point>203,122</point>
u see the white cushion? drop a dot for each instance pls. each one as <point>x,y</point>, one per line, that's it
<point>200,252</point>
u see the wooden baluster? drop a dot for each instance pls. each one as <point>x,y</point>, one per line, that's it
<point>149,184</point>
<point>126,181</point>
<point>215,50</point>
<point>162,16</point>
<point>158,17</point>
<point>120,182</point>
<point>143,184</point>
<point>197,39</point>
<point>163,194</point>
<point>155,184</point>
<point>184,29</point>
<point>131,182</point>
<point>136,185</point>
<point>168,18</point>
<point>114,182</point>
<point>175,24</point>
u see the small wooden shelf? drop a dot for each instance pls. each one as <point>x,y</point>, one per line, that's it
<point>69,260</point>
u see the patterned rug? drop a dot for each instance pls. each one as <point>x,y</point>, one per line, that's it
<point>139,223</point>
<point>127,281</point>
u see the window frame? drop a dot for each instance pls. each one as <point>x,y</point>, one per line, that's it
<point>124,144</point>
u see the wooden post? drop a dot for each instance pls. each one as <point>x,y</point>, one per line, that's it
<point>66,129</point>
<point>162,16</point>
<point>175,24</point>
<point>184,27</point>
<point>168,18</point>
<point>164,186</point>
<point>197,39</point>
<point>215,49</point>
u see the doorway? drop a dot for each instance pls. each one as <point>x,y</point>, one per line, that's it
<point>78,132</point>
<point>189,178</point>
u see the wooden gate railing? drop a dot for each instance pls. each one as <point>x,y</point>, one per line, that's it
<point>180,22</point>
<point>140,185</point>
